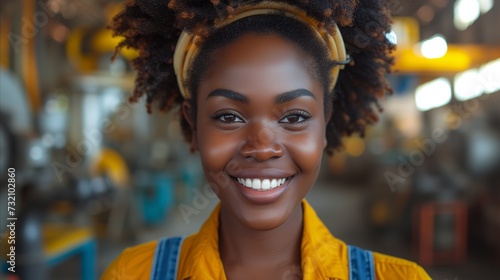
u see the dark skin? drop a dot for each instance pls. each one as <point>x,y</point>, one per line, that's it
<point>260,116</point>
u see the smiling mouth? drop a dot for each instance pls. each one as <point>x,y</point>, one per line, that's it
<point>262,184</point>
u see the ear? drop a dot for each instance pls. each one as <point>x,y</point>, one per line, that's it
<point>188,115</point>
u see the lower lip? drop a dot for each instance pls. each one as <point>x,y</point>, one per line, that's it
<point>261,196</point>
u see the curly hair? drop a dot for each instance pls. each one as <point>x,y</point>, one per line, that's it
<point>154,26</point>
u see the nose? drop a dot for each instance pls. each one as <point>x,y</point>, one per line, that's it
<point>261,144</point>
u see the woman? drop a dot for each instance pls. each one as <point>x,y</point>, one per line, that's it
<point>264,87</point>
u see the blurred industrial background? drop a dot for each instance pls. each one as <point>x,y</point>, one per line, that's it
<point>95,174</point>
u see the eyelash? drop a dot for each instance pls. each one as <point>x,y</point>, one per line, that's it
<point>217,117</point>
<point>306,116</point>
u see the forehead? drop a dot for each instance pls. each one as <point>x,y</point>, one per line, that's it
<point>258,63</point>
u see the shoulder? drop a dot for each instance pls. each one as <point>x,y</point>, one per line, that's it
<point>133,263</point>
<point>388,267</point>
<point>136,262</point>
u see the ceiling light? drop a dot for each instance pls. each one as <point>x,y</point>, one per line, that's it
<point>468,85</point>
<point>468,11</point>
<point>485,5</point>
<point>433,94</point>
<point>490,76</point>
<point>434,47</point>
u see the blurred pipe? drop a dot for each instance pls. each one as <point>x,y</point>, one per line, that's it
<point>4,43</point>
<point>29,61</point>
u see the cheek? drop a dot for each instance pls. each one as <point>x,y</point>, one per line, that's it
<point>216,151</point>
<point>307,151</point>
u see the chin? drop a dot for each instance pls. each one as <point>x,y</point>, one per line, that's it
<point>264,218</point>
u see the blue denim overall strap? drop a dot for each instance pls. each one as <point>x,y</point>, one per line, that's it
<point>360,264</point>
<point>166,258</point>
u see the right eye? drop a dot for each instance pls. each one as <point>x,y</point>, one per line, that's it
<point>227,117</point>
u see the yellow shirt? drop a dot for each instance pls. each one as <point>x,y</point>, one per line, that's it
<point>323,256</point>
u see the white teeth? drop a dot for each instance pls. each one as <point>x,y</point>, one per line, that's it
<point>266,184</point>
<point>274,184</point>
<point>258,184</point>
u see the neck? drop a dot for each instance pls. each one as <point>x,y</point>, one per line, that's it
<point>278,247</point>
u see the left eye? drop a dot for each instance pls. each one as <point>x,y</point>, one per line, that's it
<point>229,118</point>
<point>296,118</point>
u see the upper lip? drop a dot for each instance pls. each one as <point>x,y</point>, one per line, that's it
<point>268,173</point>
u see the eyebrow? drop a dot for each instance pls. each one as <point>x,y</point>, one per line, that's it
<point>238,97</point>
<point>280,99</point>
<point>291,95</point>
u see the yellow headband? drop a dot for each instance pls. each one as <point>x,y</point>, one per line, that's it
<point>187,46</point>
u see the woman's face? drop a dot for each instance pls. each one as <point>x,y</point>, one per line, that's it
<point>260,129</point>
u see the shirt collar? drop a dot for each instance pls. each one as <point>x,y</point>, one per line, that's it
<point>323,256</point>
<point>204,259</point>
